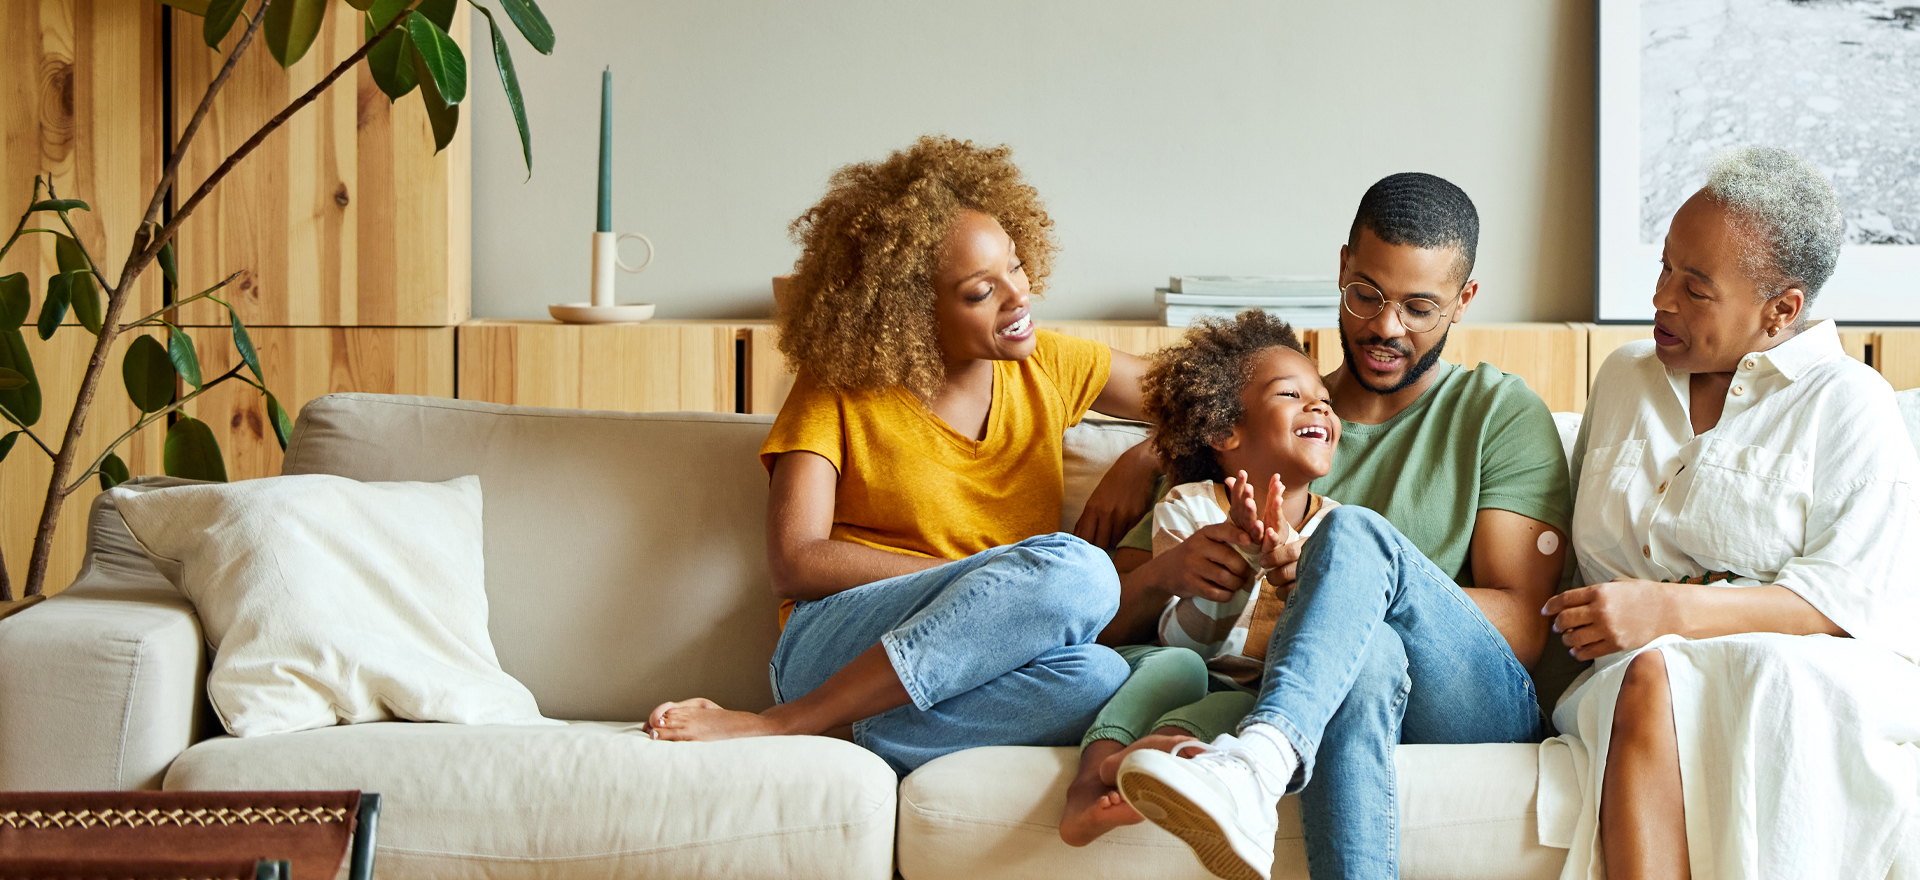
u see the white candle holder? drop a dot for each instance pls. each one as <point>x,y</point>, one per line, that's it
<point>603,308</point>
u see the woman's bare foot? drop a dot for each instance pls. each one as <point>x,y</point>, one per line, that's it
<point>703,720</point>
<point>1110,767</point>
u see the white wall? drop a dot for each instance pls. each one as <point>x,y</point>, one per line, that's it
<point>1196,137</point>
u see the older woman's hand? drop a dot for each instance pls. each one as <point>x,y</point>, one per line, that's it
<point>1619,615</point>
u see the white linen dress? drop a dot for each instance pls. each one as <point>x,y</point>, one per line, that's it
<point>1799,755</point>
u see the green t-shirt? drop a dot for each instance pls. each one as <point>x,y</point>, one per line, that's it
<point>1478,439</point>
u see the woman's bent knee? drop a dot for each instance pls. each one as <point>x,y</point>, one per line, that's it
<point>1070,579</point>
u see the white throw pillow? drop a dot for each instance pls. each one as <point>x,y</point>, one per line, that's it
<point>330,601</point>
<point>1087,451</point>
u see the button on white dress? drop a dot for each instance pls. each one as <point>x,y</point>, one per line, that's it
<point>1800,755</point>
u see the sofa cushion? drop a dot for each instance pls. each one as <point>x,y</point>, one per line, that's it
<point>502,803</point>
<point>1466,811</point>
<point>626,562</point>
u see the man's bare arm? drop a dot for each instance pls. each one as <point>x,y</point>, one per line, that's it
<point>1516,562</point>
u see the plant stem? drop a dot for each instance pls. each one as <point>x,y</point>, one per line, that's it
<point>92,265</point>
<point>22,225</point>
<point>206,188</point>
<point>25,430</point>
<point>201,295</point>
<point>149,419</point>
<point>172,171</point>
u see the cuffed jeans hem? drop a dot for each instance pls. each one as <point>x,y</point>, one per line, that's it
<point>896,655</point>
<point>1301,750</point>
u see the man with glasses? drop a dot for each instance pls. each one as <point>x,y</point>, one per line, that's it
<point>1416,610</point>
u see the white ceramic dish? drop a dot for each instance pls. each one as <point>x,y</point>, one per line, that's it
<point>584,313</point>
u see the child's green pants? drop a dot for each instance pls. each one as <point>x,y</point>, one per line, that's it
<point>1169,687</point>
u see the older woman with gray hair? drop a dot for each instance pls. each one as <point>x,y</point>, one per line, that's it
<point>1745,519</point>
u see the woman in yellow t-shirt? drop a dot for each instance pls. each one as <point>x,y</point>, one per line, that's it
<point>916,475</point>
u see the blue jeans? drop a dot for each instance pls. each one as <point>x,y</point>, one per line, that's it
<point>995,649</point>
<point>1379,648</point>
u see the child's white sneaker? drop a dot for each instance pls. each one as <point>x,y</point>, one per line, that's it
<point>1221,802</point>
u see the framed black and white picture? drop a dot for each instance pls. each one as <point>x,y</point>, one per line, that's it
<point>1836,81</point>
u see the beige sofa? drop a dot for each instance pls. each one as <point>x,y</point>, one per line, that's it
<point>625,566</point>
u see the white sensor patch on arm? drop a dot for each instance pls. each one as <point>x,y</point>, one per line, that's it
<point>1549,542</point>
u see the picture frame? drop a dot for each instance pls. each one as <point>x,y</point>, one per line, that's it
<point>1837,82</point>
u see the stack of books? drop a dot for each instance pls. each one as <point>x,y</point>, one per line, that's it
<point>1303,301</point>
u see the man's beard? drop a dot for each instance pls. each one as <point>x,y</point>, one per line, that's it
<point>1413,375</point>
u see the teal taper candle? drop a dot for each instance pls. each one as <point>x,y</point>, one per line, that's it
<point>605,221</point>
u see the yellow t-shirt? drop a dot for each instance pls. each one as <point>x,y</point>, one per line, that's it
<point>909,483</point>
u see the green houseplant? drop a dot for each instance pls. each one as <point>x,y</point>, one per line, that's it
<point>407,49</point>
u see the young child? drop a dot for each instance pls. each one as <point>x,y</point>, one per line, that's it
<point>1234,397</point>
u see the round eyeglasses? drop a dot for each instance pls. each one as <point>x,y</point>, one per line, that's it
<point>1418,313</point>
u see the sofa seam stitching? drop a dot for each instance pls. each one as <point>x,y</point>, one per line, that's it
<point>786,832</point>
<point>126,713</point>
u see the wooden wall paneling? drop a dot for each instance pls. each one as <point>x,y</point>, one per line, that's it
<point>303,363</point>
<point>768,379</point>
<point>59,363</point>
<point>1604,339</point>
<point>1896,354</point>
<point>80,100</point>
<point>1552,358</point>
<point>1141,338</point>
<point>343,217</point>
<point>657,366</point>
<point>1857,340</point>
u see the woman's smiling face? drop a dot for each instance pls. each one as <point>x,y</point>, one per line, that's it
<point>981,293</point>
<point>1708,310</point>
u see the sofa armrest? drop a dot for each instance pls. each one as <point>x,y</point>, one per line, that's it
<point>101,686</point>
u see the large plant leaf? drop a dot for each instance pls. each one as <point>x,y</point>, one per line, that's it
<point>221,14</point>
<point>381,12</point>
<point>60,205</point>
<point>53,309</point>
<point>291,26</point>
<point>11,378</point>
<point>362,5</point>
<point>243,343</point>
<point>391,63</point>
<point>186,361</point>
<point>85,298</point>
<point>444,117</point>
<point>148,373</point>
<point>511,82</point>
<point>282,426</point>
<point>197,7</point>
<point>439,12</point>
<point>6,443</point>
<point>113,472</point>
<point>23,402</point>
<point>82,293</point>
<point>191,453</point>
<point>16,301</point>
<point>441,56</point>
<point>169,270</point>
<point>532,23</point>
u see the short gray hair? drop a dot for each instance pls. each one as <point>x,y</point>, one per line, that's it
<point>1791,213</point>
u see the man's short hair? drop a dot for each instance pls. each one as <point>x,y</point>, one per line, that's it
<point>1423,211</point>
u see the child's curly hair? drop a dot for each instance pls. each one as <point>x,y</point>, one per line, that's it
<point>862,311</point>
<point>1193,388</point>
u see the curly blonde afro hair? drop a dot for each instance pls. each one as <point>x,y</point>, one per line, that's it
<point>861,315</point>
<point>1193,388</point>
